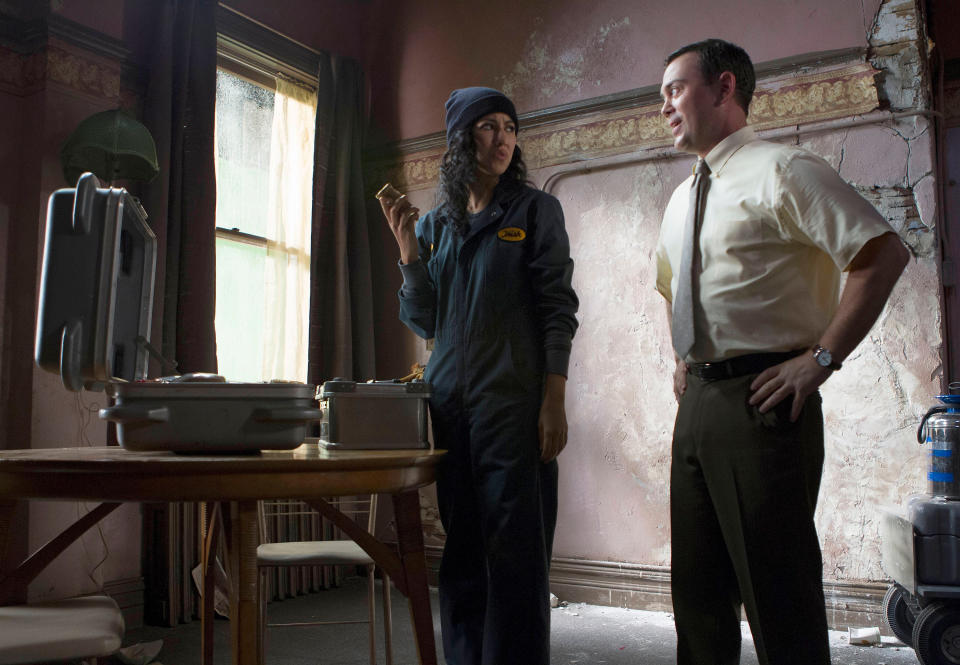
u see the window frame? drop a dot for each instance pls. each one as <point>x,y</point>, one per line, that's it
<point>263,52</point>
<point>253,52</point>
<point>259,56</point>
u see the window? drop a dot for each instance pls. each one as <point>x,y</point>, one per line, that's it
<point>264,139</point>
<point>244,120</point>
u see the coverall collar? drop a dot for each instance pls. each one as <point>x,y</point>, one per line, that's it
<point>502,195</point>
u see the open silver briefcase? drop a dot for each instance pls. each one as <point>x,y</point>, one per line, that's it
<point>93,328</point>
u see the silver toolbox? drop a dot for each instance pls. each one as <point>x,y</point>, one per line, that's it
<point>223,417</point>
<point>377,415</point>
<point>93,328</point>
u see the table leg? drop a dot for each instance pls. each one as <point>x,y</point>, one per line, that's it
<point>406,507</point>
<point>245,637</point>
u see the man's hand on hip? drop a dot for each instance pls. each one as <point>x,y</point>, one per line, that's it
<point>798,377</point>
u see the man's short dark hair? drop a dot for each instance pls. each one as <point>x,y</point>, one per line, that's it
<point>717,56</point>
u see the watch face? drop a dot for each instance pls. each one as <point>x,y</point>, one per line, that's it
<point>824,357</point>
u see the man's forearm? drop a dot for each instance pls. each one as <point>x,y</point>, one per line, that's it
<point>872,275</point>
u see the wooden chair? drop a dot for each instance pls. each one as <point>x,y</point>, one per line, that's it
<point>335,552</point>
<point>62,630</point>
<point>71,629</point>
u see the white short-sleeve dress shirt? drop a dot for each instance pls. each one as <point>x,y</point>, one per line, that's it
<point>778,228</point>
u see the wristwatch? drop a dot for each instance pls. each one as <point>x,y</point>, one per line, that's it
<point>824,358</point>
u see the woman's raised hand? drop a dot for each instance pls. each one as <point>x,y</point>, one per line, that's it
<point>402,218</point>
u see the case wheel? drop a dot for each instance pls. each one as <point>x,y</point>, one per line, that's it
<point>936,635</point>
<point>899,614</point>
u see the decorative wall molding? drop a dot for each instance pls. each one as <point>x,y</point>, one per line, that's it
<point>612,584</point>
<point>640,587</point>
<point>562,135</point>
<point>827,95</point>
<point>89,40</point>
<point>84,73</point>
<point>21,74</point>
<point>31,35</point>
<point>25,74</point>
<point>53,48</point>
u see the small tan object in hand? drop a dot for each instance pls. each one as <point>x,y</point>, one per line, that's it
<point>389,191</point>
<point>389,195</point>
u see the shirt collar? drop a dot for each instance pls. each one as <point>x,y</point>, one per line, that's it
<point>724,150</point>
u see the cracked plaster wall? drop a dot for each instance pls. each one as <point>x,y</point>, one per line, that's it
<point>551,53</point>
<point>615,476</point>
<point>615,471</point>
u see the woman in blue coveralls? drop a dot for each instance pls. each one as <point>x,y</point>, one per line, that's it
<point>487,274</point>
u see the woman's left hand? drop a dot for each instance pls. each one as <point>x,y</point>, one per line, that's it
<point>553,418</point>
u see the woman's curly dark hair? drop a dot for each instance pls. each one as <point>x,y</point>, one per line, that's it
<point>458,169</point>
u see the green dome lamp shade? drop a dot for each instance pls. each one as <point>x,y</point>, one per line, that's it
<point>112,145</point>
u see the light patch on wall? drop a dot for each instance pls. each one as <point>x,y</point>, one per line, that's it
<point>898,206</point>
<point>897,49</point>
<point>619,391</point>
<point>607,29</point>
<point>545,70</point>
<point>896,21</point>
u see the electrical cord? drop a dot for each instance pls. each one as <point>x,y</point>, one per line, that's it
<point>86,413</point>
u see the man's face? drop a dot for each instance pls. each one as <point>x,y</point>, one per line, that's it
<point>690,106</point>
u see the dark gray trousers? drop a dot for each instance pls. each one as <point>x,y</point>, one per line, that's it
<point>743,489</point>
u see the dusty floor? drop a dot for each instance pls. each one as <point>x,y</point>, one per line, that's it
<point>586,634</point>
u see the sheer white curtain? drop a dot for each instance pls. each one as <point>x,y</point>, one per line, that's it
<point>287,274</point>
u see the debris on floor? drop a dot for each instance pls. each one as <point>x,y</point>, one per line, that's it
<point>864,637</point>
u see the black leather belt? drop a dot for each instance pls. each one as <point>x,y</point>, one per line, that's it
<point>752,363</point>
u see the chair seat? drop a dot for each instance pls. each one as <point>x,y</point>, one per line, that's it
<point>60,630</point>
<point>319,552</point>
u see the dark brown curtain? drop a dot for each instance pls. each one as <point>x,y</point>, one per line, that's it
<point>341,304</point>
<point>179,110</point>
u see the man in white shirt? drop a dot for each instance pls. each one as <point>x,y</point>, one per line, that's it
<point>767,325</point>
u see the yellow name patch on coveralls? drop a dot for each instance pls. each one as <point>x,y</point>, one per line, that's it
<point>511,234</point>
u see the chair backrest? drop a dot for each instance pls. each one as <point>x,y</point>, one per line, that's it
<point>286,520</point>
<point>295,521</point>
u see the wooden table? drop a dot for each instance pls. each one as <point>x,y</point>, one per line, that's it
<point>231,484</point>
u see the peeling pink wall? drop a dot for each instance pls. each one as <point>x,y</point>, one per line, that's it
<point>548,53</point>
<point>615,470</point>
